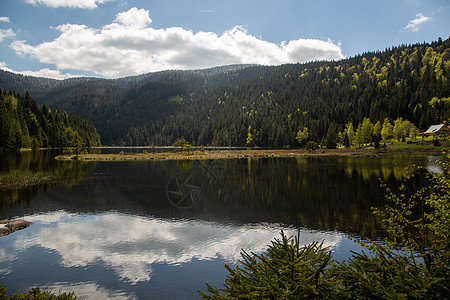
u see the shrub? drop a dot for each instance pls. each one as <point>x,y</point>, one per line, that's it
<point>388,274</point>
<point>414,263</point>
<point>311,146</point>
<point>436,142</point>
<point>36,293</point>
<point>285,271</point>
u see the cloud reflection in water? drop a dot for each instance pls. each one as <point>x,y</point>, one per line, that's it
<point>87,290</point>
<point>129,244</point>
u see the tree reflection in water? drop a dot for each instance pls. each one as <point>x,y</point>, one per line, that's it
<point>325,193</point>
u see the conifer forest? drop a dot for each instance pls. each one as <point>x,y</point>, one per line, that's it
<point>239,105</point>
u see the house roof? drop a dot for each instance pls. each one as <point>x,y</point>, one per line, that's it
<point>435,128</point>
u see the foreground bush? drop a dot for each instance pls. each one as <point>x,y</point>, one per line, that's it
<point>36,293</point>
<point>413,264</point>
<point>284,271</point>
<point>288,271</point>
<point>387,274</point>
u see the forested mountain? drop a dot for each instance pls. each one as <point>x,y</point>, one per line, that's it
<point>23,124</point>
<point>257,105</point>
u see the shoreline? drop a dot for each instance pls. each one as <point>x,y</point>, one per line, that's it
<point>253,153</point>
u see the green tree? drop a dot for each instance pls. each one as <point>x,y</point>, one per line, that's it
<point>285,271</point>
<point>418,223</point>
<point>377,129</point>
<point>24,124</point>
<point>302,135</point>
<point>367,131</point>
<point>249,140</point>
<point>35,294</point>
<point>410,129</point>
<point>311,146</point>
<point>187,148</point>
<point>399,129</point>
<point>350,133</point>
<point>426,232</point>
<point>359,138</point>
<point>184,146</point>
<point>72,140</point>
<point>180,143</point>
<point>441,106</point>
<point>387,130</point>
<point>331,137</point>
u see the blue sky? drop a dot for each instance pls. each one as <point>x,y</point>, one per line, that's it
<point>115,38</point>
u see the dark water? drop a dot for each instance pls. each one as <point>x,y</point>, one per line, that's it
<point>160,230</point>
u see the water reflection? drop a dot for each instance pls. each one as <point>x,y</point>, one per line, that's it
<point>318,193</point>
<point>434,165</point>
<point>28,160</point>
<point>88,290</point>
<point>67,173</point>
<point>161,229</point>
<point>129,246</point>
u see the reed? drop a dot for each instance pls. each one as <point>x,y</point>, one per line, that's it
<point>18,179</point>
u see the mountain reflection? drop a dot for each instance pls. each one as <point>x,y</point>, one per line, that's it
<point>129,245</point>
<point>328,193</point>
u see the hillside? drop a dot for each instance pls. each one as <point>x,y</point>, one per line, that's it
<point>256,105</point>
<point>23,124</point>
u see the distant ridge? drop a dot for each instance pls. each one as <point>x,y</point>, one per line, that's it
<point>22,83</point>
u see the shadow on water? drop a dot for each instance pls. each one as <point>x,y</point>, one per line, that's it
<point>328,193</point>
<point>44,170</point>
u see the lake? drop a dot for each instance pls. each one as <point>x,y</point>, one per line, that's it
<point>160,230</point>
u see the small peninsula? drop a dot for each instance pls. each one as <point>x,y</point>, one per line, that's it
<point>244,153</point>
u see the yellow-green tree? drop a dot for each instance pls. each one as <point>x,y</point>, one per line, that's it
<point>387,131</point>
<point>367,130</point>
<point>302,135</point>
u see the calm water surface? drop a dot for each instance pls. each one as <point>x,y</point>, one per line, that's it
<point>160,230</point>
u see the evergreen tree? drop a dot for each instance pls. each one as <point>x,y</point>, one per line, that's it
<point>24,124</point>
<point>331,137</point>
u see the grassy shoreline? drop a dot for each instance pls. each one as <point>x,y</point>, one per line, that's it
<point>247,153</point>
<point>18,179</point>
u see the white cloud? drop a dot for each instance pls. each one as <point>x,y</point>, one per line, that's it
<point>413,25</point>
<point>6,33</point>
<point>46,72</point>
<point>84,4</point>
<point>135,18</point>
<point>129,46</point>
<point>55,74</point>
<point>129,245</point>
<point>4,19</point>
<point>3,66</point>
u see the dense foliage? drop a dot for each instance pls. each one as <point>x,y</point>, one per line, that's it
<point>36,293</point>
<point>258,105</point>
<point>23,124</point>
<point>413,264</point>
<point>285,271</point>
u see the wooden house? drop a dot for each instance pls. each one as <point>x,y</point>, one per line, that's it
<point>437,130</point>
